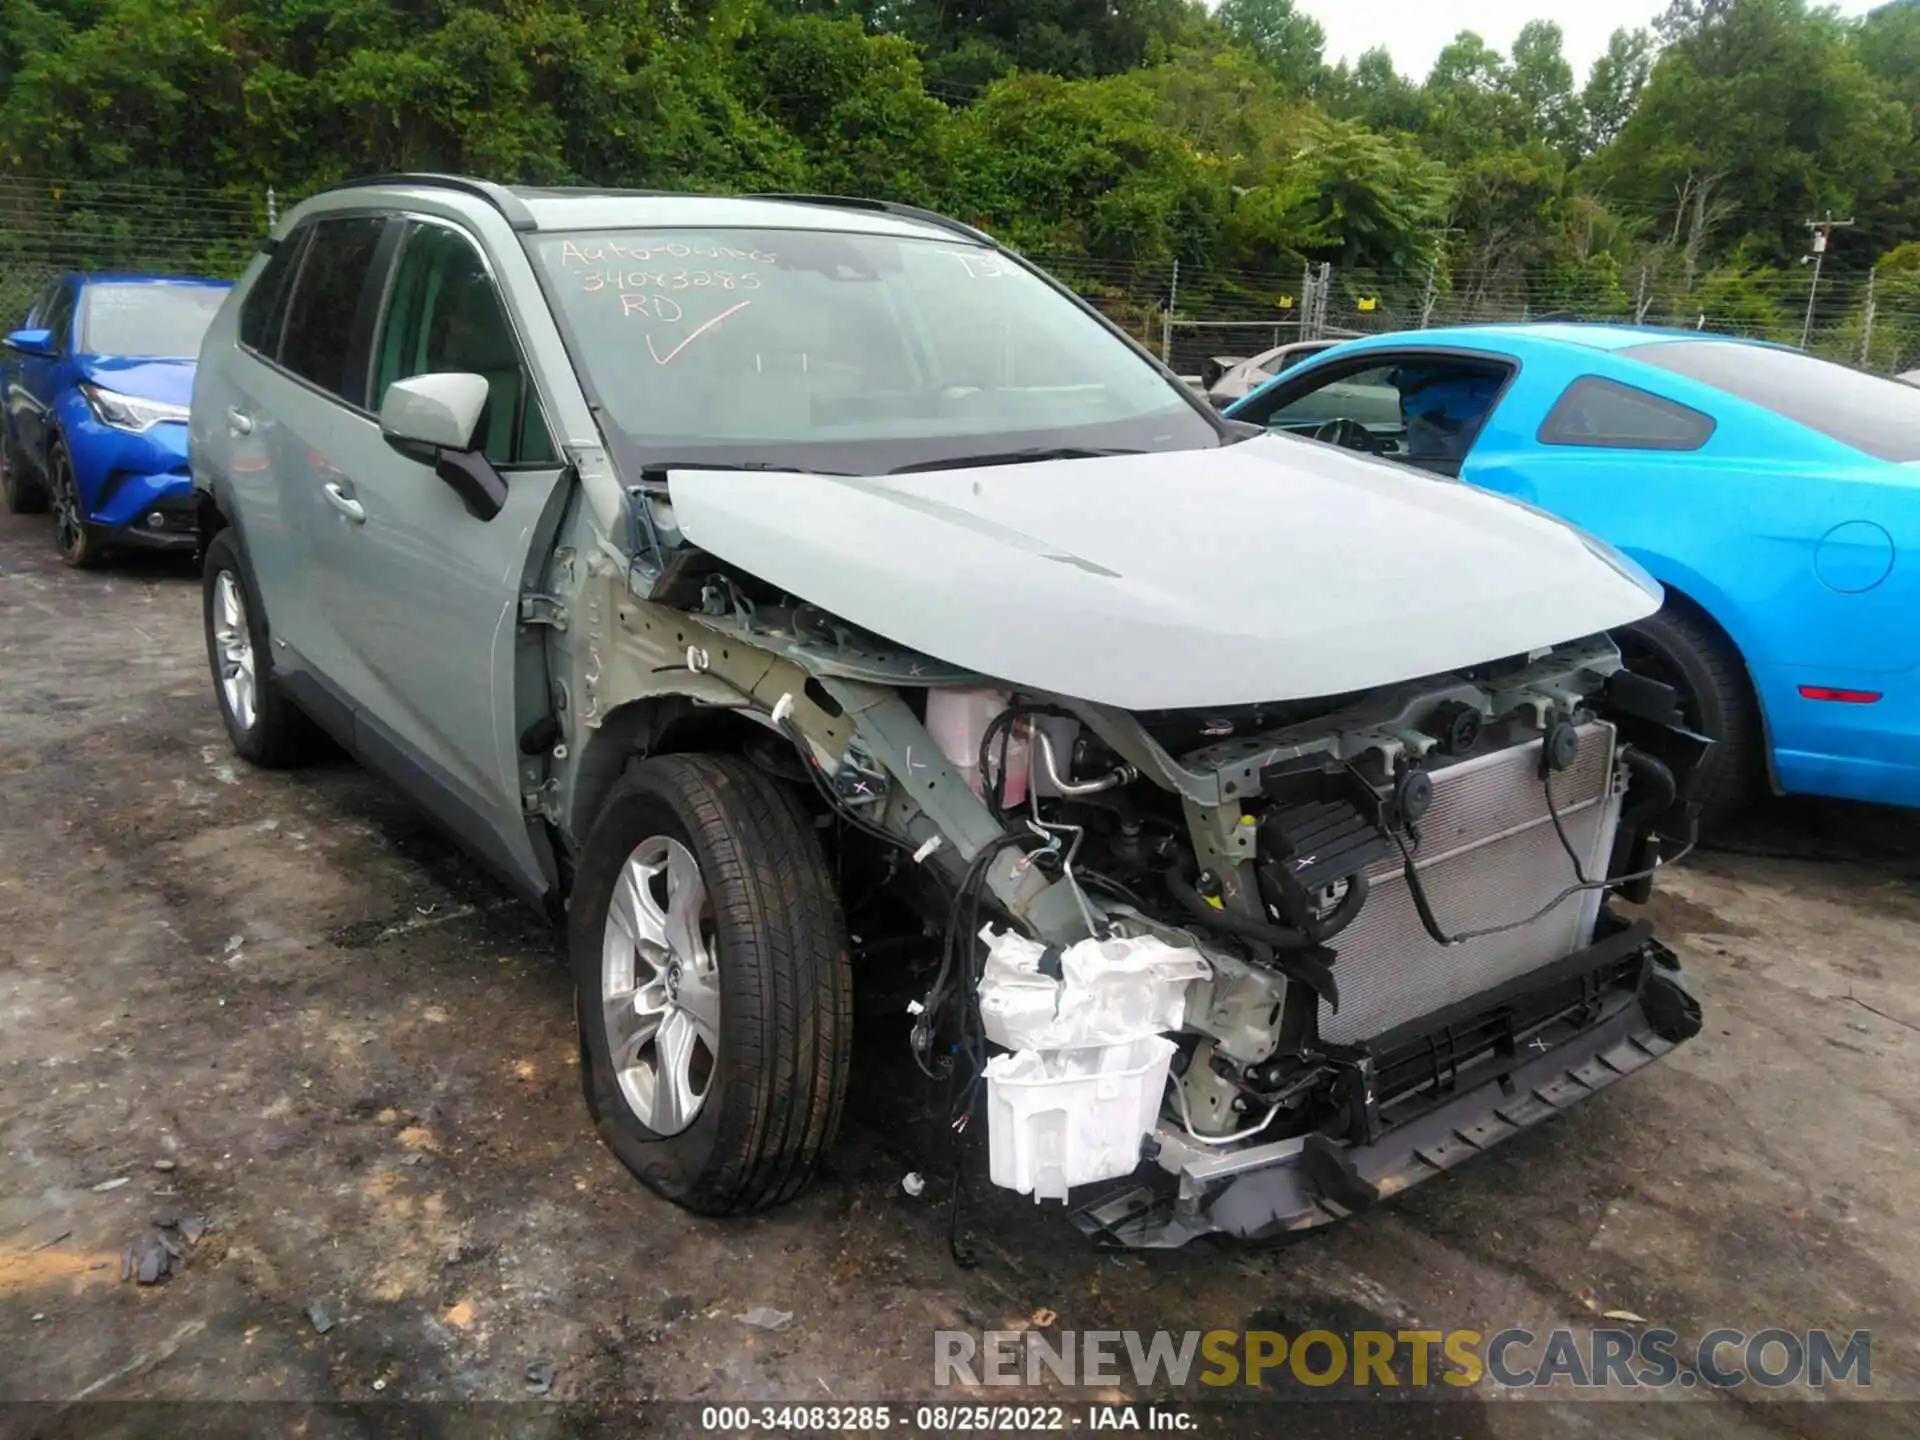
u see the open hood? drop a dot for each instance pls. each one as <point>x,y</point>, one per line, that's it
<point>1275,569</point>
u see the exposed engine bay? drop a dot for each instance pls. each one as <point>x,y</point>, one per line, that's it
<point>1399,895</point>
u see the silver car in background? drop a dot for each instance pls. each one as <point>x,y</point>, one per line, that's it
<point>1227,378</point>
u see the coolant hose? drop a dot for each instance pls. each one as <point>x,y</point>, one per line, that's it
<point>1290,961</point>
<point>1662,790</point>
<point>1654,790</point>
<point>1261,932</point>
<point>1280,937</point>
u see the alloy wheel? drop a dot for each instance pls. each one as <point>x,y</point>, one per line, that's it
<point>235,643</point>
<point>660,985</point>
<point>69,528</point>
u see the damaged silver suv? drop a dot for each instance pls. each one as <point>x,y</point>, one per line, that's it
<point>796,590</point>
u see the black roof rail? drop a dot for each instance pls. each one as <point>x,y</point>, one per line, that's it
<point>886,207</point>
<point>520,217</point>
<point>511,206</point>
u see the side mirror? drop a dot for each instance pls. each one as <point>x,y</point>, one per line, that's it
<point>436,412</point>
<point>433,419</point>
<point>31,342</point>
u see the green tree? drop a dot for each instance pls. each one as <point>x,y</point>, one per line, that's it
<point>1888,45</point>
<point>1377,95</point>
<point>1756,108</point>
<point>1542,84</point>
<point>1287,41</point>
<point>1473,107</point>
<point>853,102</point>
<point>1375,198</point>
<point>1613,87</point>
<point>1085,168</point>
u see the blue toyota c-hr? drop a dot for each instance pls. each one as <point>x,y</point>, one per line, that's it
<point>97,385</point>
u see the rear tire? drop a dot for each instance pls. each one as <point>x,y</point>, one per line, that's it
<point>1689,654</point>
<point>76,542</point>
<point>24,494</point>
<point>739,1007</point>
<point>265,727</point>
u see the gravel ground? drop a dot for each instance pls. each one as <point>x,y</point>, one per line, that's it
<point>282,1002</point>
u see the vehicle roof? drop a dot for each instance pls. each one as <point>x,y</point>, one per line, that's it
<point>540,208</point>
<point>555,210</point>
<point>1586,336</point>
<point>132,277</point>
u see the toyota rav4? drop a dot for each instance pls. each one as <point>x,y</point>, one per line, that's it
<point>806,596</point>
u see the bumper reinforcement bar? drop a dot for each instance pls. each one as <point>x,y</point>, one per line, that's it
<point>1264,1190</point>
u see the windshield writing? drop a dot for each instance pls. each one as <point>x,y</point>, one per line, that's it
<point>846,352</point>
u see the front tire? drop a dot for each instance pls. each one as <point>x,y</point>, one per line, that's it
<point>1686,652</point>
<point>265,727</point>
<point>714,988</point>
<point>24,495</point>
<point>78,543</point>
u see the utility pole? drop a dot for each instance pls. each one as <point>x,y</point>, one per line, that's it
<point>1822,232</point>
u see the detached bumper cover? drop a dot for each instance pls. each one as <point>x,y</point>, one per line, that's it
<point>1261,1191</point>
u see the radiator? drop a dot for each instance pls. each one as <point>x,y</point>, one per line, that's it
<point>1488,855</point>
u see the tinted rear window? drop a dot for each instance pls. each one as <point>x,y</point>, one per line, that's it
<point>1877,416</point>
<point>1600,413</point>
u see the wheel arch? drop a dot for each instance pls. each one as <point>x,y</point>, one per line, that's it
<point>209,515</point>
<point>652,725</point>
<point>1682,598</point>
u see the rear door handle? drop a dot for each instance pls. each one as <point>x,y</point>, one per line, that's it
<point>240,422</point>
<point>345,503</point>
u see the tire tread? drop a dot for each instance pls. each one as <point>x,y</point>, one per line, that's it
<point>787,976</point>
<point>1736,764</point>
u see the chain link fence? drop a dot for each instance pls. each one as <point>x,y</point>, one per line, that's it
<point>1206,312</point>
<point>50,227</point>
<point>1186,313</point>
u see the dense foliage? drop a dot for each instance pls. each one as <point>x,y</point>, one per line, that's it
<point>1126,131</point>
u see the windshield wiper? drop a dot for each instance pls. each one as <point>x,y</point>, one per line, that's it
<point>1013,457</point>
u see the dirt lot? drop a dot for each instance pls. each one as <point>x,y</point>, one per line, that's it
<point>357,1058</point>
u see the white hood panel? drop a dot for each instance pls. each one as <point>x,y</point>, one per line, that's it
<point>1275,569</point>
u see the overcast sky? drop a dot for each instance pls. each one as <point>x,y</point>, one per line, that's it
<point>1415,30</point>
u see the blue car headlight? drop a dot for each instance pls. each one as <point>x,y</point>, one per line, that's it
<point>128,412</point>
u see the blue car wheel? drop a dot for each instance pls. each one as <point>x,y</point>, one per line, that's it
<point>1710,680</point>
<point>77,542</point>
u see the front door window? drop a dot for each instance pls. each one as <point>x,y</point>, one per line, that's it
<point>446,316</point>
<point>1426,410</point>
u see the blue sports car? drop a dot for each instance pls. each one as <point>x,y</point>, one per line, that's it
<point>1776,496</point>
<point>97,385</point>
